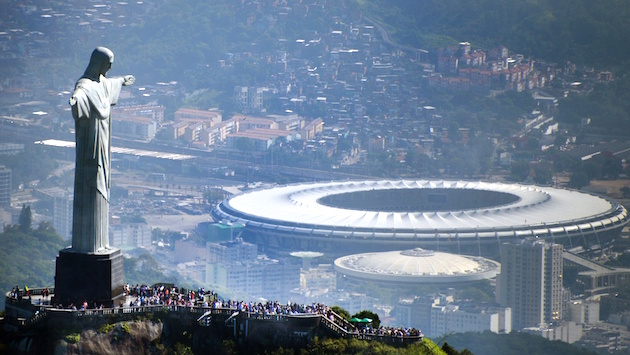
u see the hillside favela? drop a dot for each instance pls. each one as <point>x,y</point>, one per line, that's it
<point>314,177</point>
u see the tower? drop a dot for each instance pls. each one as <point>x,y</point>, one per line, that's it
<point>62,211</point>
<point>5,186</point>
<point>531,282</point>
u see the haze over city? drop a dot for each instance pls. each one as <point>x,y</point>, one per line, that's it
<point>450,177</point>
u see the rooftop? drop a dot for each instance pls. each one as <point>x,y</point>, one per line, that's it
<point>417,266</point>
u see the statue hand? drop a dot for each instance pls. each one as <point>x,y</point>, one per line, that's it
<point>128,80</point>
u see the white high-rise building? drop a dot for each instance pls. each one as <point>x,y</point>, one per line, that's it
<point>530,282</point>
<point>231,251</point>
<point>249,98</point>
<point>452,318</point>
<point>236,265</point>
<point>439,315</point>
<point>133,235</point>
<point>5,186</point>
<point>62,215</point>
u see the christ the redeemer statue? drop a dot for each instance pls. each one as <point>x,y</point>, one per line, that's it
<point>91,103</point>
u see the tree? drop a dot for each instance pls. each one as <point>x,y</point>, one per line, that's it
<point>215,195</point>
<point>46,227</point>
<point>592,168</point>
<point>611,168</point>
<point>453,132</point>
<point>168,237</point>
<point>244,145</point>
<point>144,270</point>
<point>543,175</point>
<point>341,312</point>
<point>26,218</point>
<point>579,179</point>
<point>376,322</point>
<point>28,258</point>
<point>519,171</point>
<point>449,350</point>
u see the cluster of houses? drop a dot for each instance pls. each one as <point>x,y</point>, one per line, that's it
<point>346,81</point>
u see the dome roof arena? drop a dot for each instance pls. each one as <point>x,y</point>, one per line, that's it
<point>416,266</point>
<point>404,214</point>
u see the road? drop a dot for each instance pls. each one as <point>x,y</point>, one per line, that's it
<point>387,39</point>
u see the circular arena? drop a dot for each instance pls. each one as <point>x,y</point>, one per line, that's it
<point>457,216</point>
<point>413,267</point>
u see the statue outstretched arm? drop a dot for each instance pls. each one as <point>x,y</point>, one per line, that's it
<point>128,80</point>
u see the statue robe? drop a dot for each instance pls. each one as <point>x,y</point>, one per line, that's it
<point>91,105</point>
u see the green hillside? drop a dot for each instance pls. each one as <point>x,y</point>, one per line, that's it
<point>584,32</point>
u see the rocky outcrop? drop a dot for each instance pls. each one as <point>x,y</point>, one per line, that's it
<point>132,337</point>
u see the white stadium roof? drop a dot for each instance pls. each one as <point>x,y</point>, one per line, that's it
<point>416,266</point>
<point>534,207</point>
<point>388,209</point>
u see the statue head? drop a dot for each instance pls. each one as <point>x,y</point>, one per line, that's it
<point>100,62</point>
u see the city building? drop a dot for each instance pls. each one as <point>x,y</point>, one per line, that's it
<point>208,117</point>
<point>258,139</point>
<point>187,251</point>
<point>584,311</point>
<point>416,311</point>
<point>236,265</point>
<point>312,129</point>
<point>438,315</point>
<point>568,332</point>
<point>177,129</point>
<point>452,318</point>
<point>318,280</point>
<point>291,122</point>
<point>595,277</point>
<point>11,148</point>
<point>259,278</point>
<point>250,98</point>
<point>5,186</point>
<point>151,112</point>
<point>353,302</point>
<point>135,127</point>
<point>62,215</point>
<point>130,235</point>
<point>531,282</point>
<point>232,251</point>
<point>463,217</point>
<point>605,338</point>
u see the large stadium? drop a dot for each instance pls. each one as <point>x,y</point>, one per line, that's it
<point>457,216</point>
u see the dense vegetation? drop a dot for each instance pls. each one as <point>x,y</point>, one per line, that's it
<point>28,257</point>
<point>353,346</point>
<point>608,106</point>
<point>515,343</point>
<point>580,31</point>
<point>144,269</point>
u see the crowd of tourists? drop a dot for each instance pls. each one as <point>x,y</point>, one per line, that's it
<point>170,295</point>
<point>16,293</point>
<point>272,307</point>
<point>166,295</point>
<point>394,332</point>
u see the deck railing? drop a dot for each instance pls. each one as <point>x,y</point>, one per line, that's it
<point>330,320</point>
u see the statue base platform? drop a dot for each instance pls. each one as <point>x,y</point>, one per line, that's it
<point>93,278</point>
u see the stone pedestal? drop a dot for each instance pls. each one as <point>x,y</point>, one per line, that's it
<point>95,278</point>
